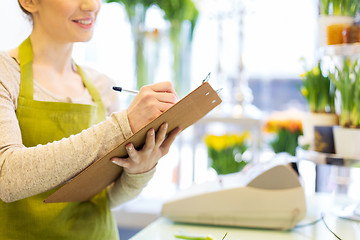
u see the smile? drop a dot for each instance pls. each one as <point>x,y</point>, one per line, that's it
<point>84,22</point>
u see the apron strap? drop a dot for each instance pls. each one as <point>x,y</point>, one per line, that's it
<point>26,70</point>
<point>26,76</point>
<point>92,90</point>
<point>88,84</point>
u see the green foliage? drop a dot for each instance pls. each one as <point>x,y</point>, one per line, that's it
<point>188,236</point>
<point>347,81</point>
<point>228,160</point>
<point>226,151</point>
<point>177,11</point>
<point>318,90</point>
<point>286,141</point>
<point>130,5</point>
<point>339,7</point>
<point>174,10</point>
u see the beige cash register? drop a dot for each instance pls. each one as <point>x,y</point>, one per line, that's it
<point>273,199</point>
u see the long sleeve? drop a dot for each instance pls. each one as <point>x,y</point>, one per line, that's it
<point>27,171</point>
<point>128,186</point>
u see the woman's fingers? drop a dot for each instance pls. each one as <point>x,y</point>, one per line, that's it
<point>154,141</point>
<point>150,140</point>
<point>122,162</point>
<point>161,134</point>
<point>127,162</point>
<point>163,87</point>
<point>165,97</point>
<point>155,147</point>
<point>151,102</point>
<point>165,146</point>
<point>132,152</point>
<point>162,106</point>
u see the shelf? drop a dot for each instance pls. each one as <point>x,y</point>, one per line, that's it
<point>326,158</point>
<point>340,50</point>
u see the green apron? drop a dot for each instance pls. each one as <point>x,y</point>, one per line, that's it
<point>40,123</point>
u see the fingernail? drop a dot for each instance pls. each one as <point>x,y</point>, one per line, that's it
<point>130,148</point>
<point>152,132</point>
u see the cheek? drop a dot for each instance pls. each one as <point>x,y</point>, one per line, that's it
<point>60,9</point>
<point>59,17</point>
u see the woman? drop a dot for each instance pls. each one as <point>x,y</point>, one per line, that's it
<point>53,125</point>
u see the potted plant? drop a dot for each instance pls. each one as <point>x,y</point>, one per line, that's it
<point>285,128</point>
<point>347,135</point>
<point>319,91</point>
<point>334,16</point>
<point>226,152</point>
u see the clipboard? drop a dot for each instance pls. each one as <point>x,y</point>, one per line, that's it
<point>103,172</point>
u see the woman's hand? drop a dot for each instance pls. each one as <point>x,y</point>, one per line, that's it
<point>155,147</point>
<point>151,102</point>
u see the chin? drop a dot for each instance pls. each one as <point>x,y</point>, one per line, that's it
<point>83,36</point>
<point>84,39</point>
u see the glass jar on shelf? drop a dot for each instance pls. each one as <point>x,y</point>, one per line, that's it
<point>334,33</point>
<point>351,33</point>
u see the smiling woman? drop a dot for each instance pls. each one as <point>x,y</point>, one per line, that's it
<point>58,19</point>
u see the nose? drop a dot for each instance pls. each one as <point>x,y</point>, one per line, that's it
<point>91,5</point>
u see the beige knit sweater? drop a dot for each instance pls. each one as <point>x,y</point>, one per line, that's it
<point>27,171</point>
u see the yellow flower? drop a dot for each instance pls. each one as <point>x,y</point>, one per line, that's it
<point>304,91</point>
<point>316,71</point>
<point>224,141</point>
<point>215,142</point>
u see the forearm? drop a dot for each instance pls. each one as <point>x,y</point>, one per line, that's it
<point>128,186</point>
<point>28,171</point>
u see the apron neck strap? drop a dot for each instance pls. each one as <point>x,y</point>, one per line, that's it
<point>26,74</point>
<point>91,88</point>
<point>26,70</point>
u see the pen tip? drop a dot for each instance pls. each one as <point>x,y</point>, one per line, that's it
<point>117,88</point>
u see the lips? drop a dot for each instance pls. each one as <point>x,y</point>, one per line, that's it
<point>84,23</point>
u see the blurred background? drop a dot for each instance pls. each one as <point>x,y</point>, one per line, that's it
<point>262,40</point>
<point>255,50</point>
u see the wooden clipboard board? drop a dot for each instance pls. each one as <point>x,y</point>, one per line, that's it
<point>103,172</point>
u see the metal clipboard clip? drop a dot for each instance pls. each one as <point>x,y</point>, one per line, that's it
<point>206,79</point>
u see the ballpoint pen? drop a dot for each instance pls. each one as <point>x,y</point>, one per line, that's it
<point>121,89</point>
